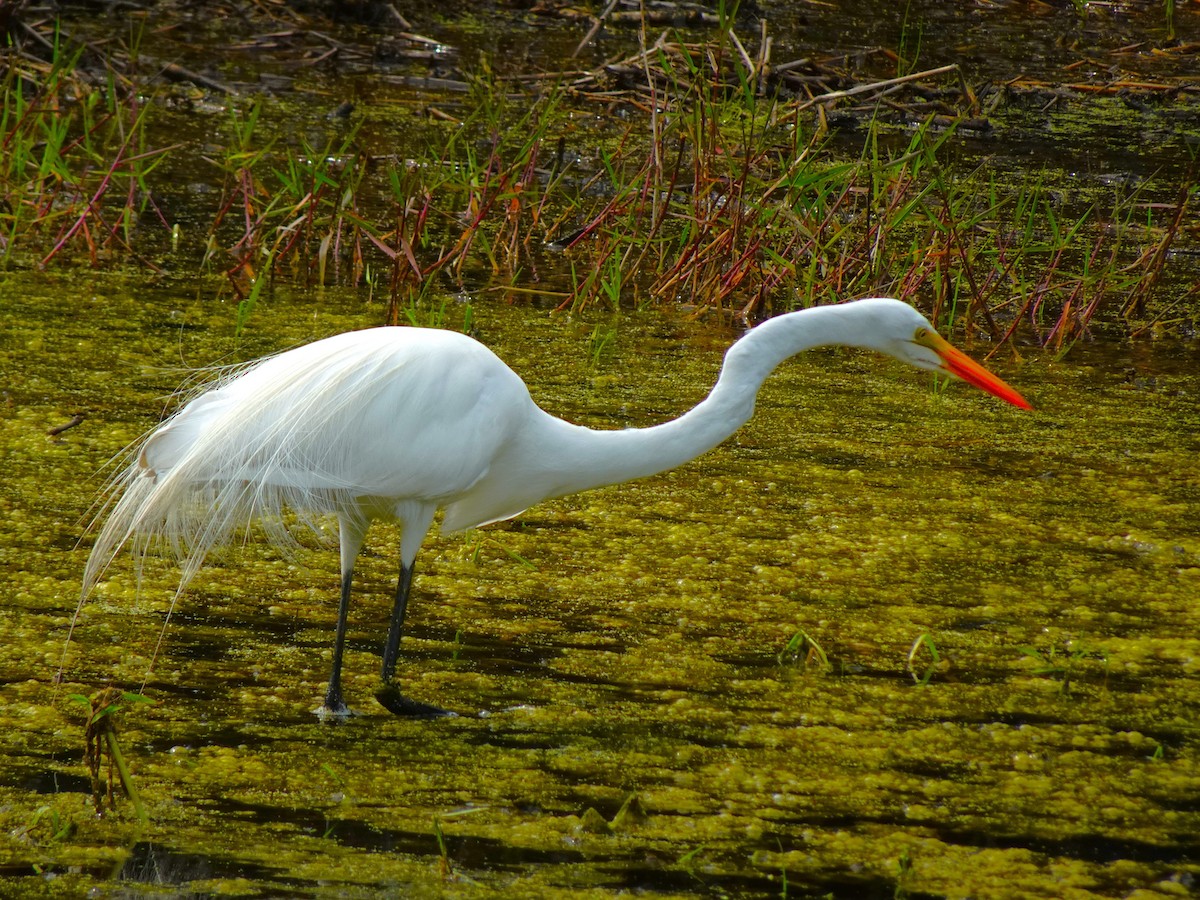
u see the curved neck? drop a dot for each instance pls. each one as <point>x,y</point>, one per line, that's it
<point>583,458</point>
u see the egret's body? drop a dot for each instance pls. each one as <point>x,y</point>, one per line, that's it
<point>397,423</point>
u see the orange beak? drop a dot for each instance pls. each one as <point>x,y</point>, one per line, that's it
<point>958,364</point>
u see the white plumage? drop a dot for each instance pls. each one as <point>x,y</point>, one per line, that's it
<point>397,423</point>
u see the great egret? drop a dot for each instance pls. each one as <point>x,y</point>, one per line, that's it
<point>397,423</point>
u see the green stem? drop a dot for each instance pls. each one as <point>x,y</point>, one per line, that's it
<point>114,752</point>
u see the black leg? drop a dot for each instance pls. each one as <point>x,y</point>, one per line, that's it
<point>391,650</point>
<point>335,704</point>
<point>389,694</point>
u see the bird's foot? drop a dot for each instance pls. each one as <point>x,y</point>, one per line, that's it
<point>325,714</point>
<point>393,701</point>
<point>334,709</point>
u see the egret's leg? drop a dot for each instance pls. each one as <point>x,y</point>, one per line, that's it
<point>351,529</point>
<point>414,518</point>
<point>391,650</point>
<point>389,694</point>
<point>335,704</point>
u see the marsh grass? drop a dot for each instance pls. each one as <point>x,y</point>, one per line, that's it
<point>1067,664</point>
<point>923,642</point>
<point>477,541</point>
<point>709,191</point>
<point>100,733</point>
<point>47,824</point>
<point>75,165</point>
<point>446,869</point>
<point>802,644</point>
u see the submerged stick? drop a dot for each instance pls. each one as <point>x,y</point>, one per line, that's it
<point>66,426</point>
<point>878,85</point>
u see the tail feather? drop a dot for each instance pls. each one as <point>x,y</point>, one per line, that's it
<point>281,441</point>
<point>211,469</point>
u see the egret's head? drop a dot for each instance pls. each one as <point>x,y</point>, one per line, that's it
<point>904,333</point>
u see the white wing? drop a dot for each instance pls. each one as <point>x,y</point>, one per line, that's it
<point>366,418</point>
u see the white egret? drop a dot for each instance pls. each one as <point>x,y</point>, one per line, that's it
<point>396,423</point>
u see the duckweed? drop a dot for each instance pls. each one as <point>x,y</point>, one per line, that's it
<point>1053,559</point>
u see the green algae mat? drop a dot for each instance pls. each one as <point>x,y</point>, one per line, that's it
<point>893,639</point>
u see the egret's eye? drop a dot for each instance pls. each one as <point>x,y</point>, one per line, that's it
<point>921,335</point>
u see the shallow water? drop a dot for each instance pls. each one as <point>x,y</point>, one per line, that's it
<point>632,640</point>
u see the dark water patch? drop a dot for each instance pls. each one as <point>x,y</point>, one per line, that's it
<point>695,882</point>
<point>659,879</point>
<point>261,624</point>
<point>520,740</point>
<point>1189,802</point>
<point>47,781</point>
<point>1095,848</point>
<point>473,853</point>
<point>162,866</point>
<point>511,659</point>
<point>186,695</point>
<point>251,736</point>
<point>189,645</point>
<point>935,768</point>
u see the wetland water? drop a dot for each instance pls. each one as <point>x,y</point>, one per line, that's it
<point>633,640</point>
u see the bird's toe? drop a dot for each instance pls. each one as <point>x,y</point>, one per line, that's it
<point>393,701</point>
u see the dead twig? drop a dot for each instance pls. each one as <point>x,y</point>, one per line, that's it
<point>66,426</point>
<point>877,85</point>
<point>595,29</point>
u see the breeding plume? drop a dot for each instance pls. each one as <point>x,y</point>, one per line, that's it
<point>398,423</point>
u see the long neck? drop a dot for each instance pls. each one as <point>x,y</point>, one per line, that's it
<point>582,458</point>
